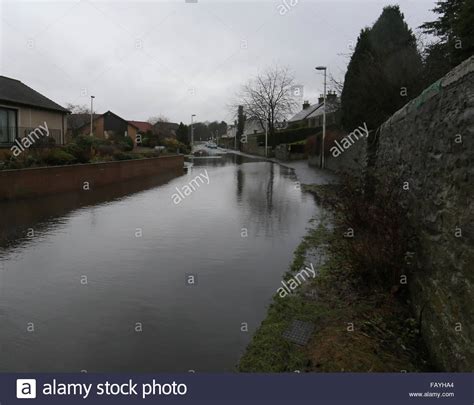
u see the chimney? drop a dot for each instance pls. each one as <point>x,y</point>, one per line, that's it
<point>321,99</point>
<point>306,105</point>
<point>331,97</point>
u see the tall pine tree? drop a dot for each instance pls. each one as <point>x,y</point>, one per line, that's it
<point>182,133</point>
<point>455,31</point>
<point>383,73</point>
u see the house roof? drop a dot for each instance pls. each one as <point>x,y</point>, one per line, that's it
<point>120,118</point>
<point>143,126</point>
<point>15,92</point>
<point>251,125</point>
<point>315,110</point>
<point>303,114</point>
<point>76,121</point>
<point>332,106</point>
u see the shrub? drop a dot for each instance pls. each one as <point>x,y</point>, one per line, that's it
<point>382,235</point>
<point>84,141</point>
<point>44,142</point>
<point>97,142</point>
<point>81,148</point>
<point>125,144</point>
<point>105,150</point>
<point>30,161</point>
<point>287,136</point>
<point>171,144</point>
<point>59,157</point>
<point>129,143</point>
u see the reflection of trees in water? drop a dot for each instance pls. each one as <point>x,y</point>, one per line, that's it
<point>240,183</point>
<point>264,192</point>
<point>229,159</point>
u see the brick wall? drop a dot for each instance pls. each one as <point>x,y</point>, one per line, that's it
<point>52,180</point>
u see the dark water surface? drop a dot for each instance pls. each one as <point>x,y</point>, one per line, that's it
<point>138,283</point>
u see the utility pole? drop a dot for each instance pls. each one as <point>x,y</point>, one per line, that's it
<point>235,134</point>
<point>92,112</point>
<point>266,137</point>
<point>324,115</point>
<point>192,131</point>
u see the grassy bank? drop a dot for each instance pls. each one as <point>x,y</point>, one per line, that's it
<point>357,328</point>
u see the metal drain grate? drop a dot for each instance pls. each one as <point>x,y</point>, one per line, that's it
<point>299,332</point>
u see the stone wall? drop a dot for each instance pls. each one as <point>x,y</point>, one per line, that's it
<point>15,184</point>
<point>428,146</point>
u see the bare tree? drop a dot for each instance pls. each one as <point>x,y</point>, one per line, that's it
<point>336,84</point>
<point>157,118</point>
<point>78,108</point>
<point>269,97</point>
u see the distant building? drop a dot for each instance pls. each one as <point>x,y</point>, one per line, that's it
<point>104,126</point>
<point>23,109</point>
<point>231,131</point>
<point>311,116</point>
<point>228,140</point>
<point>253,126</point>
<point>142,126</point>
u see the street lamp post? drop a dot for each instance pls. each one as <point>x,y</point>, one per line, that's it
<point>92,111</point>
<point>266,137</point>
<point>192,130</point>
<point>324,115</point>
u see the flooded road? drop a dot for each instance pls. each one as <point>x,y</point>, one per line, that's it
<point>128,279</point>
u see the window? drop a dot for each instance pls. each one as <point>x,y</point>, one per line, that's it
<point>8,128</point>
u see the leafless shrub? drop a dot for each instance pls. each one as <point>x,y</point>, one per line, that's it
<point>381,232</point>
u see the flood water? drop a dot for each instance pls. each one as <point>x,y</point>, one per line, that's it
<point>99,281</point>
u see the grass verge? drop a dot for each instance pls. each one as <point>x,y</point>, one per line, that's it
<point>357,329</point>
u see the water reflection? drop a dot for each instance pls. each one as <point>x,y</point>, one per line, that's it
<point>142,279</point>
<point>40,214</point>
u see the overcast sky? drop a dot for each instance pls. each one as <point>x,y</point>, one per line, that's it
<point>172,58</point>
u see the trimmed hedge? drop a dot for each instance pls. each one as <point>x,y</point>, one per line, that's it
<point>288,136</point>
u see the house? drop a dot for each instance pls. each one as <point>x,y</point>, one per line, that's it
<point>23,110</point>
<point>228,140</point>
<point>311,116</point>
<point>253,126</point>
<point>143,126</point>
<point>104,126</point>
